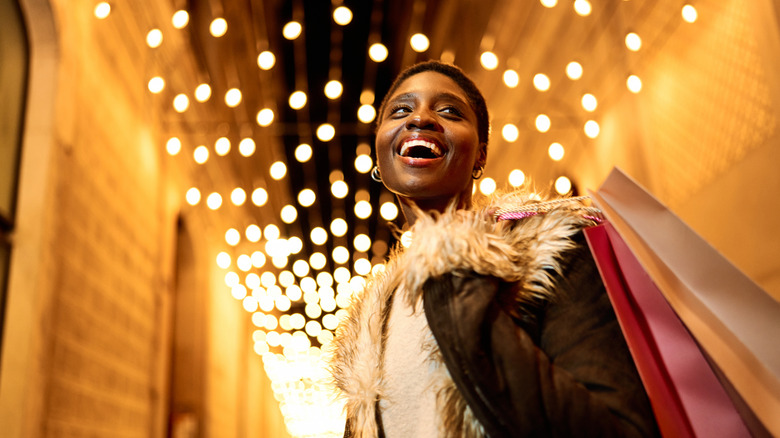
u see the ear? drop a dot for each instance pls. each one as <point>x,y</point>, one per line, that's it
<point>481,156</point>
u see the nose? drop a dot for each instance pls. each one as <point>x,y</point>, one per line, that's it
<point>423,119</point>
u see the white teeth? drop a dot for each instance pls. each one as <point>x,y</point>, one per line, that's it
<point>419,142</point>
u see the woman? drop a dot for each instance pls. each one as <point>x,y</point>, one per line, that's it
<point>481,327</point>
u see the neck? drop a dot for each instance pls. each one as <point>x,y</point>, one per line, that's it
<point>412,208</point>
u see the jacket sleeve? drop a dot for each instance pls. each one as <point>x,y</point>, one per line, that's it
<point>573,377</point>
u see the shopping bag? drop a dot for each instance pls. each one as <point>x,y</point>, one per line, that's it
<point>684,391</point>
<point>734,321</point>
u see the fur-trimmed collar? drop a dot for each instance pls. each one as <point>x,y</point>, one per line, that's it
<point>526,252</point>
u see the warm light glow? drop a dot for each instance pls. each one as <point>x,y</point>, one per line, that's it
<point>297,100</point>
<point>102,10</point>
<point>173,146</point>
<point>271,232</point>
<point>192,196</point>
<point>292,30</point>
<point>238,291</point>
<point>366,113</point>
<point>214,201</point>
<point>318,236</point>
<point>555,151</point>
<point>562,185</point>
<point>589,102</point>
<point>154,38</point>
<point>516,178</point>
<point>223,260</point>
<point>574,70</point>
<point>306,197</point>
<point>633,42</point>
<point>362,266</point>
<point>510,132</point>
<point>181,102</point>
<point>259,197</point>
<point>333,89</point>
<point>419,42</point>
<point>364,163</point>
<point>288,214</point>
<point>541,82</point>
<point>388,211</point>
<point>317,260</point>
<point>246,147</point>
<point>549,3</point>
<point>238,196</point>
<point>300,268</point>
<point>244,263</point>
<point>377,52</point>
<point>582,7</point>
<point>689,13</point>
<point>326,132</point>
<point>218,27</point>
<point>180,19</point>
<point>222,146</point>
<point>265,117</point>
<point>592,129</point>
<point>487,186</point>
<point>634,84</point>
<point>339,189</point>
<point>201,154</point>
<point>202,92</point>
<point>266,60</point>
<point>233,97</point>
<point>278,170</point>
<point>258,259</point>
<point>489,60</point>
<point>363,209</point>
<point>303,153</point>
<point>338,227</point>
<point>543,123</point>
<point>156,84</point>
<point>511,78</point>
<point>253,233</point>
<point>231,279</point>
<point>295,244</point>
<point>362,242</point>
<point>342,15</point>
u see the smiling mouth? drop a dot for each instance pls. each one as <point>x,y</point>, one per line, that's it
<point>419,148</point>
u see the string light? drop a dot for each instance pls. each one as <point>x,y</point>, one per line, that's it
<point>288,214</point>
<point>689,14</point>
<point>214,201</point>
<point>292,30</point>
<point>326,132</point>
<point>339,189</point>
<point>265,117</point>
<point>419,42</point>
<point>634,84</point>
<point>180,19</point>
<point>555,151</point>
<point>388,211</point>
<point>582,7</point>
<point>181,102</point>
<point>297,100</point>
<point>543,123</point>
<point>377,52</point>
<point>266,60</point>
<point>238,196</point>
<point>246,147</point>
<point>589,102</point>
<point>333,89</point>
<point>633,42</point>
<point>306,197</point>
<point>489,60</point>
<point>303,153</point>
<point>156,84</point>
<point>366,113</point>
<point>342,15</point>
<point>516,178</point>
<point>562,185</point>
<point>592,129</point>
<point>173,146</point>
<point>253,233</point>
<point>202,92</point>
<point>259,197</point>
<point>222,146</point>
<point>218,27</point>
<point>233,97</point>
<point>102,10</point>
<point>574,70</point>
<point>541,82</point>
<point>201,154</point>
<point>364,163</point>
<point>549,3</point>
<point>223,260</point>
<point>511,78</point>
<point>278,170</point>
<point>487,186</point>
<point>154,38</point>
<point>363,209</point>
<point>192,196</point>
<point>510,132</point>
<point>232,237</point>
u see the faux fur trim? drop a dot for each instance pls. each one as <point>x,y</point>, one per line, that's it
<point>526,252</point>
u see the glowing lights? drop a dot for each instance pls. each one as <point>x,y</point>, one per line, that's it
<point>181,102</point>
<point>542,123</point>
<point>258,259</point>
<point>318,236</point>
<point>326,132</point>
<point>292,30</point>
<point>173,146</point>
<point>364,163</point>
<point>549,3</point>
<point>555,151</point>
<point>541,82</point>
<point>511,78</point>
<point>574,70</point>
<point>278,170</point>
<point>200,154</point>
<point>238,196</point>
<point>306,197</point>
<point>180,19</point>
<point>633,42</point>
<point>265,117</point>
<point>223,260</point>
<point>592,129</point>
<point>259,197</point>
<point>266,60</point>
<point>297,100</point>
<point>510,132</point>
<point>202,92</point>
<point>246,147</point>
<point>634,84</point>
<point>303,153</point>
<point>342,15</point>
<point>583,8</point>
<point>339,189</point>
<point>489,60</point>
<point>288,214</point>
<point>589,102</point>
<point>362,242</point>
<point>102,10</point>
<point>316,261</point>
<point>192,196</point>
<point>154,38</point>
<point>562,185</point>
<point>388,211</point>
<point>363,209</point>
<point>362,266</point>
<point>232,237</point>
<point>233,97</point>
<point>222,146</point>
<point>419,42</point>
<point>516,178</point>
<point>218,27</point>
<point>333,89</point>
<point>253,233</point>
<point>377,52</point>
<point>366,113</point>
<point>689,14</point>
<point>487,186</point>
<point>156,84</point>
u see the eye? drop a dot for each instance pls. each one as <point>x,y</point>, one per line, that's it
<point>452,111</point>
<point>399,110</point>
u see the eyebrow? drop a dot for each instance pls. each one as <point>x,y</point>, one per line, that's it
<point>438,96</point>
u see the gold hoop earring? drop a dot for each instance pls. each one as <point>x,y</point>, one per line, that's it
<point>375,174</point>
<point>477,173</point>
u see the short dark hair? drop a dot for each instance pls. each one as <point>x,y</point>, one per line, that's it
<point>474,96</point>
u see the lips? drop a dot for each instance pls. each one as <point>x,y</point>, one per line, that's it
<point>418,148</point>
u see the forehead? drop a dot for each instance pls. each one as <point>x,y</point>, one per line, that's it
<point>430,82</point>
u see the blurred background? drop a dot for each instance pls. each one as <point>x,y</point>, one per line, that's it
<point>185,200</point>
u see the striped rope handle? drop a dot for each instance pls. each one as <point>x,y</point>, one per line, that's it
<point>534,209</point>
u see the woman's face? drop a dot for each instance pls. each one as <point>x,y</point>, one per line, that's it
<point>427,143</point>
